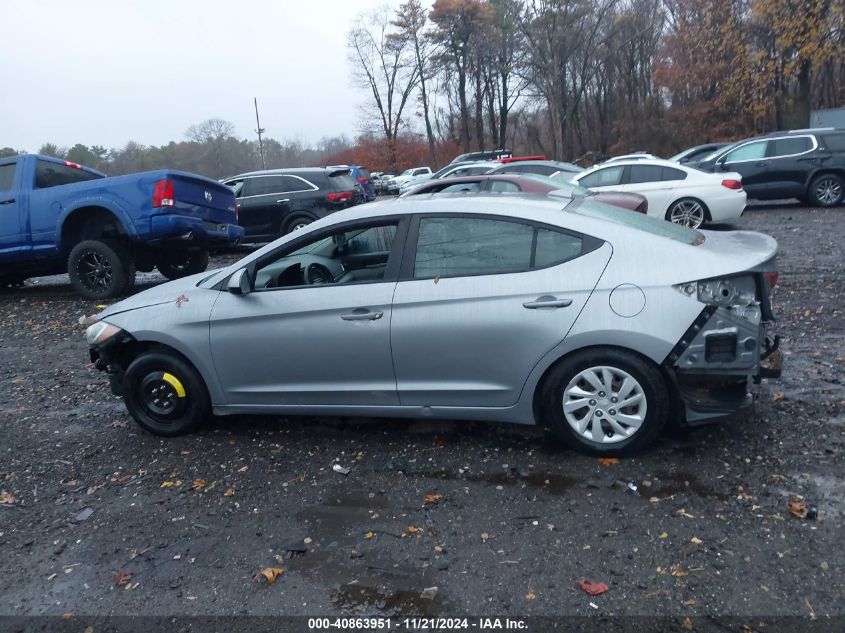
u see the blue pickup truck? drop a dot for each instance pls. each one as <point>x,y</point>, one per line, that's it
<point>57,216</point>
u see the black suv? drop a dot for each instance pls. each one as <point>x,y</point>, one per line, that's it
<point>804,164</point>
<point>278,201</point>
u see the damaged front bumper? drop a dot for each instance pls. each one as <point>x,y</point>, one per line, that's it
<point>712,363</point>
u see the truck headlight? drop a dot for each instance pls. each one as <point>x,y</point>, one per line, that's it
<point>100,332</point>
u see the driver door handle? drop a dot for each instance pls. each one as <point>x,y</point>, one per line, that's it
<point>547,301</point>
<point>362,314</point>
<point>9,201</point>
<point>283,200</point>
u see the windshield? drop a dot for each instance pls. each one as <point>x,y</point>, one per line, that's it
<point>641,222</point>
<point>407,172</point>
<point>721,150</point>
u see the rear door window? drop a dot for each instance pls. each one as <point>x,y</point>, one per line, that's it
<point>49,174</point>
<point>504,186</point>
<point>7,176</point>
<point>461,246</point>
<point>789,146</point>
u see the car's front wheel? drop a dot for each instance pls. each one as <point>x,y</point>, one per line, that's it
<point>826,191</point>
<point>604,401</point>
<point>165,394</point>
<point>687,212</point>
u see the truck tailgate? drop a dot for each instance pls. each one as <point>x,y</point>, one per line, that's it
<point>204,198</point>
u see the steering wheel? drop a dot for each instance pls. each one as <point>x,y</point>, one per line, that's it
<point>317,274</point>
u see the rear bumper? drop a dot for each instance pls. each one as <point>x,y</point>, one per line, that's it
<point>189,227</point>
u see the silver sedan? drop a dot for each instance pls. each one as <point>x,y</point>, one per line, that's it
<point>599,324</point>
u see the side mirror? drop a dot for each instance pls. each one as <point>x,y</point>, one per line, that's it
<point>238,283</point>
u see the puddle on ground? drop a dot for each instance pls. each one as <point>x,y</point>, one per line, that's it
<point>552,483</point>
<point>363,599</point>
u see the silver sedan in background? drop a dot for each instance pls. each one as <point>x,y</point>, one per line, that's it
<point>597,323</point>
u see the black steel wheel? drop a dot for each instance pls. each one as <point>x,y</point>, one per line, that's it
<point>181,263</point>
<point>165,394</point>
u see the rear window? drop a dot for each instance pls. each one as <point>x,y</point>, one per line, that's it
<point>342,181</point>
<point>835,142</point>
<point>7,177</point>
<point>363,173</point>
<point>640,222</point>
<point>49,174</point>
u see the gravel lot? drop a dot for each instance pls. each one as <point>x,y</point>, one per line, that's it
<point>99,517</point>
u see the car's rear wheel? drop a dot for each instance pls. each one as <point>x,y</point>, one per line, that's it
<point>297,222</point>
<point>826,191</point>
<point>604,401</point>
<point>100,269</point>
<point>687,212</point>
<point>181,263</point>
<point>164,394</point>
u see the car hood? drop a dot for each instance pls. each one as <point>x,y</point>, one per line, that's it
<point>178,290</point>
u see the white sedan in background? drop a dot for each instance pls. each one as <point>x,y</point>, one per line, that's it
<point>677,193</point>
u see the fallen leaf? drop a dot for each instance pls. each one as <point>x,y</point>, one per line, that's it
<point>198,484</point>
<point>116,424</point>
<point>688,603</point>
<point>6,497</point>
<point>664,535</point>
<point>307,540</point>
<point>485,537</point>
<point>798,507</point>
<point>243,469</point>
<point>678,571</point>
<point>592,588</point>
<point>778,397</point>
<point>230,492</point>
<point>122,577</point>
<point>271,574</point>
<point>180,300</point>
<point>530,595</point>
<point>608,461</point>
<point>696,540</point>
<point>171,484</point>
<point>412,529</point>
<point>369,535</point>
<point>431,500</point>
<point>687,624</point>
<point>683,513</point>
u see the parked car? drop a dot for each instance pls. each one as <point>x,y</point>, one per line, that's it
<point>380,183</point>
<point>362,176</point>
<point>804,164</point>
<point>697,153</point>
<point>540,167</point>
<point>395,183</point>
<point>483,155</point>
<point>278,201</point>
<point>468,168</point>
<point>634,156</point>
<point>58,216</point>
<point>528,183</point>
<point>675,192</point>
<point>477,308</point>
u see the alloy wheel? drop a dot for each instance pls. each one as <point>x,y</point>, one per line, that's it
<point>688,213</point>
<point>95,270</point>
<point>604,404</point>
<point>828,191</point>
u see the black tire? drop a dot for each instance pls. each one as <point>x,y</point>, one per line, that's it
<point>297,222</point>
<point>167,411</point>
<point>827,190</point>
<point>649,384</point>
<point>100,269</point>
<point>177,264</point>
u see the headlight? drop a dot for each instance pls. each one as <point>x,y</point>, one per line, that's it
<point>100,332</point>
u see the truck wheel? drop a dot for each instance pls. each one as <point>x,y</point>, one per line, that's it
<point>165,394</point>
<point>176,264</point>
<point>99,270</point>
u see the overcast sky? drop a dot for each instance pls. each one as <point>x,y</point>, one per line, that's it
<point>103,72</point>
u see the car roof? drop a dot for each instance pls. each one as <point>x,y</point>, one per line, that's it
<point>282,171</point>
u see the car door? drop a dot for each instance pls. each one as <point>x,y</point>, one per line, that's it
<point>14,241</point>
<point>480,300</point>
<point>790,159</point>
<point>325,343</point>
<point>263,204</point>
<point>749,160</point>
<point>648,181</point>
<point>602,179</point>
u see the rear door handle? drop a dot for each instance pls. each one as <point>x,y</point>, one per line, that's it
<point>547,301</point>
<point>9,201</point>
<point>283,200</point>
<point>362,314</point>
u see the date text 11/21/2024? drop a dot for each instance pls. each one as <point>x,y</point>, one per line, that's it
<point>436,623</point>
